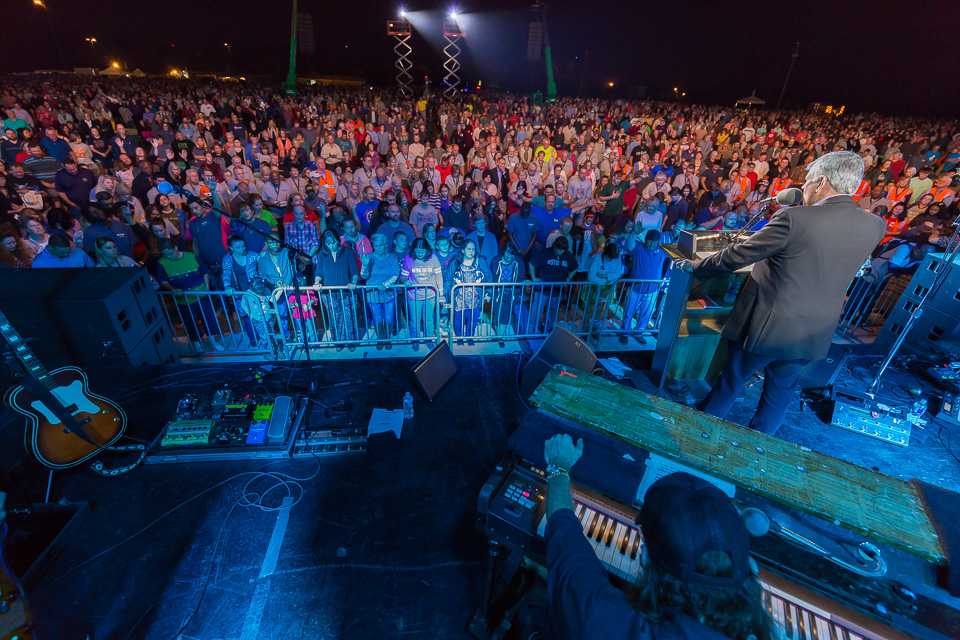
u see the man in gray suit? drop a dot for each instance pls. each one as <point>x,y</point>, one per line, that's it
<point>788,310</point>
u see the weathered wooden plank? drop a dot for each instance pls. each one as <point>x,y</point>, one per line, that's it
<point>878,506</point>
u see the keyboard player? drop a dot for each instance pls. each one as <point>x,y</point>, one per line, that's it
<point>696,581</point>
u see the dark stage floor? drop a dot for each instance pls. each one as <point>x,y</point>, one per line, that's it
<point>384,549</point>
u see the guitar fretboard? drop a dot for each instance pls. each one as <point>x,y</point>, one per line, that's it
<point>23,353</point>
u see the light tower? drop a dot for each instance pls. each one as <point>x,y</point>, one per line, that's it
<point>400,30</point>
<point>452,32</point>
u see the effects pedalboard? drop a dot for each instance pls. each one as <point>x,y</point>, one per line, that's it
<point>872,416</point>
<point>229,425</point>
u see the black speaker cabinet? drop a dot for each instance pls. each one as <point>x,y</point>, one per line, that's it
<point>560,347</point>
<point>86,316</point>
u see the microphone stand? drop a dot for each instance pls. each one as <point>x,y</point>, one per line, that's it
<point>293,253</point>
<point>763,210</point>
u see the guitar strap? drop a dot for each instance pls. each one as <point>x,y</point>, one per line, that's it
<point>98,467</point>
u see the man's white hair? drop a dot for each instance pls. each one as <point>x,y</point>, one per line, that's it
<point>843,169</point>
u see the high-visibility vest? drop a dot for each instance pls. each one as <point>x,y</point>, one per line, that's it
<point>899,196</point>
<point>938,194</point>
<point>779,184</point>
<point>862,190</point>
<point>327,181</point>
<point>745,185</point>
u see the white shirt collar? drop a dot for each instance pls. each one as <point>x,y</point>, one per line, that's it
<point>836,195</point>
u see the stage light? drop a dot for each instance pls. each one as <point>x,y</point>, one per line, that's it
<point>609,84</point>
<point>453,15</point>
<point>403,14</point>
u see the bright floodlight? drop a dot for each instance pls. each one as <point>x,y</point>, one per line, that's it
<point>453,15</point>
<point>403,14</point>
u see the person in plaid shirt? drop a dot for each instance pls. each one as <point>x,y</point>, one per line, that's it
<point>304,236</point>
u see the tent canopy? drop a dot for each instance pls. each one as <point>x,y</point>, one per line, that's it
<point>751,99</point>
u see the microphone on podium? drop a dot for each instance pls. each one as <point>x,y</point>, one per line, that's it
<point>787,197</point>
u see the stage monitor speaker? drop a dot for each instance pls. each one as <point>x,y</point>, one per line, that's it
<point>86,316</point>
<point>822,373</point>
<point>435,370</point>
<point>560,347</point>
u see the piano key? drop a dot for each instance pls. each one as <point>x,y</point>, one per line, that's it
<point>778,617</point>
<point>595,532</point>
<point>790,611</point>
<point>635,547</point>
<point>609,551</point>
<point>803,619</point>
<point>602,529</point>
<point>823,628</point>
<point>624,539</point>
<point>619,559</point>
<point>591,523</point>
<point>611,531</point>
<point>588,517</point>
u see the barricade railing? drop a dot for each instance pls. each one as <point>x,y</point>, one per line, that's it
<point>351,316</point>
<point>530,310</point>
<point>243,323</point>
<point>220,322</point>
<point>869,302</point>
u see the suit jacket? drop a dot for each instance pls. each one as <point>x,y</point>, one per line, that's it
<point>503,185</point>
<point>804,259</point>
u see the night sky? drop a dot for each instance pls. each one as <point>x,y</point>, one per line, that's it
<point>892,57</point>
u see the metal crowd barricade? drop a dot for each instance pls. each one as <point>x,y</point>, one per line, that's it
<point>868,303</point>
<point>221,323</point>
<point>530,310</point>
<point>346,316</point>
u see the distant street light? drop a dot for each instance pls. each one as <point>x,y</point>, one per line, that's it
<point>56,40</point>
<point>93,45</point>
<point>609,84</point>
<point>227,45</point>
<point>115,65</point>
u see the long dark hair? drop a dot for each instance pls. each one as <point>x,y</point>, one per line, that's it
<point>737,613</point>
<point>420,243</point>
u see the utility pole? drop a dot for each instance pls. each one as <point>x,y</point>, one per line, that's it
<point>291,84</point>
<point>793,61</point>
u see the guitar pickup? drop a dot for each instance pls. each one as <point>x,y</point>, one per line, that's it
<point>72,408</point>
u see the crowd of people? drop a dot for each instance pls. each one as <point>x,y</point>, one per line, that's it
<point>426,194</point>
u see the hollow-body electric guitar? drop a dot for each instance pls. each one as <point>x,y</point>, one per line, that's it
<point>67,424</point>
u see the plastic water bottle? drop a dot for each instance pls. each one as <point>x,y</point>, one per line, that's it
<point>407,406</point>
<point>732,291</point>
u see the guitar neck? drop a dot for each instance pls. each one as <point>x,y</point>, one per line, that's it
<point>23,353</point>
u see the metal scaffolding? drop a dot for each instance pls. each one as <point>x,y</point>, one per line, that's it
<point>452,33</point>
<point>400,30</point>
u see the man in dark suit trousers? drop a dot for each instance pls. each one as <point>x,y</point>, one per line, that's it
<point>500,178</point>
<point>788,310</point>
